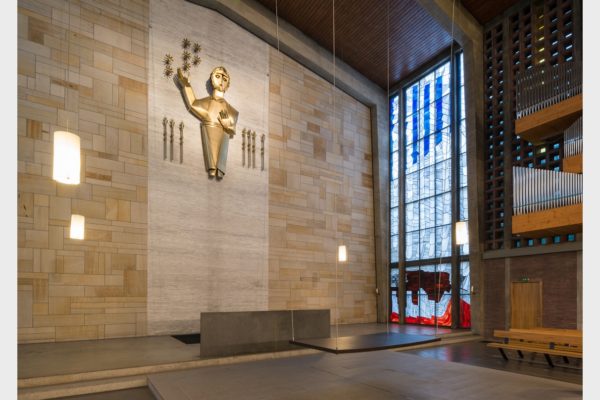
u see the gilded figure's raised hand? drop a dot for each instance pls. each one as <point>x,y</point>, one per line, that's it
<point>180,79</point>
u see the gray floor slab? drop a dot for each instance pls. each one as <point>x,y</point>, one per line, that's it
<point>374,375</point>
<point>50,359</point>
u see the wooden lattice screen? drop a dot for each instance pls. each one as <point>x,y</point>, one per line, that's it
<point>532,33</point>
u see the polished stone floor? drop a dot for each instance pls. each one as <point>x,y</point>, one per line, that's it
<point>381,374</point>
<point>478,354</point>
<point>474,355</point>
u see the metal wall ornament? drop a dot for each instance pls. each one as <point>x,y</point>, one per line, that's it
<point>249,146</point>
<point>170,139</point>
<point>262,152</point>
<point>172,126</point>
<point>244,147</point>
<point>253,149</point>
<point>165,123</point>
<point>181,142</point>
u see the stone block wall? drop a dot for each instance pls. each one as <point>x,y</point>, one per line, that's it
<point>163,242</point>
<point>320,196</point>
<point>95,288</point>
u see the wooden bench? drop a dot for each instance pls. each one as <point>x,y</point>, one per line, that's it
<point>548,341</point>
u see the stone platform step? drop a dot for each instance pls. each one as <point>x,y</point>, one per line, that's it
<point>447,339</point>
<point>51,387</point>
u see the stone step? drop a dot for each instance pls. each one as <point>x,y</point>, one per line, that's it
<point>446,340</point>
<point>50,387</point>
<point>81,388</point>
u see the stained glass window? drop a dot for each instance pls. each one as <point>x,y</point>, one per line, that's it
<point>428,295</point>
<point>433,144</point>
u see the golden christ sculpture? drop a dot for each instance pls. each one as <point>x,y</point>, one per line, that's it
<point>217,118</point>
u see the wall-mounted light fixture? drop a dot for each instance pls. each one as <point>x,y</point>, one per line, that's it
<point>77,227</point>
<point>342,255</point>
<point>67,158</point>
<point>462,233</point>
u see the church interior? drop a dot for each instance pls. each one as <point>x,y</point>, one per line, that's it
<point>312,199</point>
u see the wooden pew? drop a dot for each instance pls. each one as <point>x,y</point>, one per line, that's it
<point>548,341</point>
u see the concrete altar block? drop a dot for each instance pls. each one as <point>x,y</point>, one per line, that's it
<point>246,332</point>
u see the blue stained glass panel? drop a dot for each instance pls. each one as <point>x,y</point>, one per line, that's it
<point>394,194</point>
<point>461,69</point>
<point>426,86</point>
<point>442,149</point>
<point>442,306</point>
<point>411,188</point>
<point>443,241</point>
<point>427,182</point>
<point>412,246</point>
<point>412,158</point>
<point>443,72</point>
<point>411,310</point>
<point>408,130</point>
<point>427,113</point>
<point>444,118</point>
<point>412,216</point>
<point>462,139</point>
<point>443,173</point>
<point>443,209</point>
<point>463,205</point>
<point>465,277</point>
<point>426,306</point>
<point>426,158</point>
<point>463,111</point>
<point>427,212</point>
<point>410,99</point>
<point>462,170</point>
<point>394,277</point>
<point>427,121</point>
<point>394,167</point>
<point>394,137</point>
<point>394,221</point>
<point>395,301</point>
<point>394,249</point>
<point>427,247</point>
<point>395,110</point>
<point>463,249</point>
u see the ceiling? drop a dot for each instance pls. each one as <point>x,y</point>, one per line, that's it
<point>485,11</point>
<point>361,32</point>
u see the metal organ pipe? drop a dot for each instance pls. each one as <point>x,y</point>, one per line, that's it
<point>536,190</point>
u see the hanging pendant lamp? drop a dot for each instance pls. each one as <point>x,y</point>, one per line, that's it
<point>67,145</point>
<point>77,230</point>
<point>67,158</point>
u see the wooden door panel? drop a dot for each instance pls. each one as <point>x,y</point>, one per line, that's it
<point>526,304</point>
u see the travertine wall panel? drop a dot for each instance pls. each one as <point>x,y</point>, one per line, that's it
<point>69,289</point>
<point>207,239</point>
<point>320,196</point>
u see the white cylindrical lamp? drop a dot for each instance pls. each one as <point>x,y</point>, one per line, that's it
<point>77,227</point>
<point>462,233</point>
<point>342,255</point>
<point>67,158</point>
